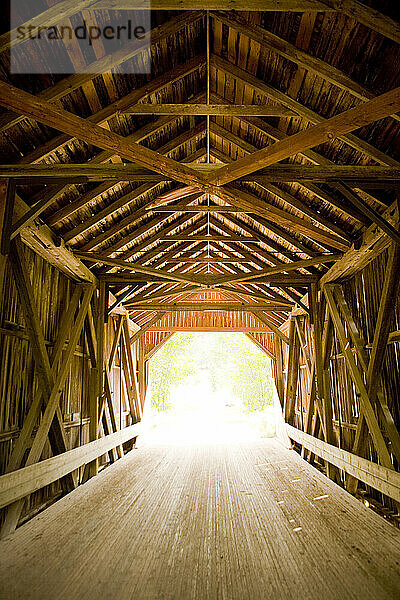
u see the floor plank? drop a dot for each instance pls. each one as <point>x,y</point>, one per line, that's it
<point>214,521</point>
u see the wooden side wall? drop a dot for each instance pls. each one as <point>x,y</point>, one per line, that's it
<point>19,383</point>
<point>338,419</point>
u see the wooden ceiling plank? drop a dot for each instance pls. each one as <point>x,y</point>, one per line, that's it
<point>266,90</point>
<point>295,54</point>
<point>68,84</point>
<point>364,114</point>
<point>368,16</point>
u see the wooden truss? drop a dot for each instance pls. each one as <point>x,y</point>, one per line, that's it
<point>226,227</point>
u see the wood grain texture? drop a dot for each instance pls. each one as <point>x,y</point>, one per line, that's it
<point>239,522</point>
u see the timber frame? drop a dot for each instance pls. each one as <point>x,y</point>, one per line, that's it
<point>249,183</point>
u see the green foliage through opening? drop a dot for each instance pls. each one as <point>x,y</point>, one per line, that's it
<point>229,364</point>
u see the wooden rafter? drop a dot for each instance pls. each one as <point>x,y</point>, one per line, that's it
<point>268,91</point>
<point>295,54</point>
<point>346,122</point>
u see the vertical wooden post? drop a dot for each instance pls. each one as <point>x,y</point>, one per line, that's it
<point>97,374</point>
<point>141,370</point>
<point>292,373</point>
<point>322,375</point>
<point>279,369</point>
<point>7,195</point>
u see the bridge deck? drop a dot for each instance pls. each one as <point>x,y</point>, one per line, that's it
<point>208,522</point>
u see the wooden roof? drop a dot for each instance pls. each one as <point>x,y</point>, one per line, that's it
<point>284,71</point>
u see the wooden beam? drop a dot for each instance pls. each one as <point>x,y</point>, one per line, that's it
<point>158,347</point>
<point>208,261</point>
<point>161,295</point>
<point>325,173</point>
<point>283,268</point>
<point>260,87</point>
<point>385,317</point>
<point>292,373</point>
<point>45,112</point>
<point>257,343</point>
<point>264,319</point>
<point>207,238</point>
<point>85,172</point>
<point>3,228</point>
<point>365,400</point>
<point>19,484</point>
<point>374,241</point>
<point>148,325</point>
<point>224,110</point>
<point>197,209</point>
<point>115,262</point>
<point>350,120</point>
<point>378,477</point>
<point>251,5</point>
<point>48,245</point>
<point>7,216</point>
<point>216,306</point>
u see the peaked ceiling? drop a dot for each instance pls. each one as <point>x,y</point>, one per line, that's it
<point>263,76</point>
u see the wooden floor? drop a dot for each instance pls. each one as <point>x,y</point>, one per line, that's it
<point>251,521</point>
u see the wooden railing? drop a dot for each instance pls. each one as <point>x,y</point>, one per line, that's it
<point>385,480</point>
<point>19,484</point>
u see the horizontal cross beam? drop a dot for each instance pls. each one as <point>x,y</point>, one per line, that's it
<point>208,238</point>
<point>214,110</point>
<point>214,306</point>
<point>83,173</point>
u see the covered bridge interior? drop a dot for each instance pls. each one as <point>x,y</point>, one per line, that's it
<point>235,169</point>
